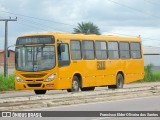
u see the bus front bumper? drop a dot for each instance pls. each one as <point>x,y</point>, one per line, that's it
<point>35,86</point>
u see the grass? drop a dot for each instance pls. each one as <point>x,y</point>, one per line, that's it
<point>6,83</point>
<point>149,75</point>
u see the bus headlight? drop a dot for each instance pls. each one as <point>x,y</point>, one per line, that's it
<point>51,77</point>
<point>19,79</point>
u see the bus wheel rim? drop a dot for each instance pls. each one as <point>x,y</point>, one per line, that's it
<point>75,85</point>
<point>119,82</point>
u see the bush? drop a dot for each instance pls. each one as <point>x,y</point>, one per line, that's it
<point>149,75</point>
<point>6,83</point>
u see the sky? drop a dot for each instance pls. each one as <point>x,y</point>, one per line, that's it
<point>114,17</point>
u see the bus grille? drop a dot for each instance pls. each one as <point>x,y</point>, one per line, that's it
<point>34,75</point>
<point>40,80</point>
<point>34,85</point>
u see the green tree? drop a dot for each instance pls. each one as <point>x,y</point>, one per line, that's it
<point>87,28</point>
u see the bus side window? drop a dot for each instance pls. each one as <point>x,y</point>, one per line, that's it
<point>63,55</point>
<point>136,50</point>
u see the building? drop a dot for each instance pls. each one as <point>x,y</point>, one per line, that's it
<point>152,56</point>
<point>11,59</point>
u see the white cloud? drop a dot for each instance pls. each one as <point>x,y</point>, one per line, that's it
<point>2,8</point>
<point>65,11</point>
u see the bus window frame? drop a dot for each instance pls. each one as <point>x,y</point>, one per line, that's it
<point>80,49</point>
<point>114,50</point>
<point>124,50</point>
<point>93,50</point>
<point>136,50</point>
<point>106,49</point>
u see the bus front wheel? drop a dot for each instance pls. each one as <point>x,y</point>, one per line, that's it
<point>119,82</point>
<point>75,85</point>
<point>40,92</point>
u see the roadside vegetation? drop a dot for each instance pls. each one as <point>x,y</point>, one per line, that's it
<point>150,76</point>
<point>7,83</point>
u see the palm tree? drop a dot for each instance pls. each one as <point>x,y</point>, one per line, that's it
<point>87,28</point>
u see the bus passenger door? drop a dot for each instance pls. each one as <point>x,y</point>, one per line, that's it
<point>63,66</point>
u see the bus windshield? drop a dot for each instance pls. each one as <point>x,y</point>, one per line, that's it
<point>35,58</point>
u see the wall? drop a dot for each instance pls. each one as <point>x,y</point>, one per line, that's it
<point>11,62</point>
<point>154,60</point>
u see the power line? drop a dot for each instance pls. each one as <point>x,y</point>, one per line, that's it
<point>123,5</point>
<point>28,25</point>
<point>42,28</point>
<point>70,24</point>
<point>37,18</point>
<point>151,2</point>
<point>39,24</point>
<point>146,38</point>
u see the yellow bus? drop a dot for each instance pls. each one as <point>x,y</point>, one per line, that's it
<point>60,61</point>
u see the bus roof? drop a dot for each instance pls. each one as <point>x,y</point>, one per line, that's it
<point>63,36</point>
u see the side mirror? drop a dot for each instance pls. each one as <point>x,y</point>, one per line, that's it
<point>8,53</point>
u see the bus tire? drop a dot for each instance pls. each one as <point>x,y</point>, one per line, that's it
<point>88,89</point>
<point>111,86</point>
<point>37,92</point>
<point>119,82</point>
<point>75,85</point>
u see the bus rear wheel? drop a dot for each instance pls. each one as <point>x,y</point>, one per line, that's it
<point>75,85</point>
<point>119,82</point>
<point>38,92</point>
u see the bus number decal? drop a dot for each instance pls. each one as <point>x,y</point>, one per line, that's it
<point>101,65</point>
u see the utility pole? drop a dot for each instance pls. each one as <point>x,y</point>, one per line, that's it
<point>6,45</point>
